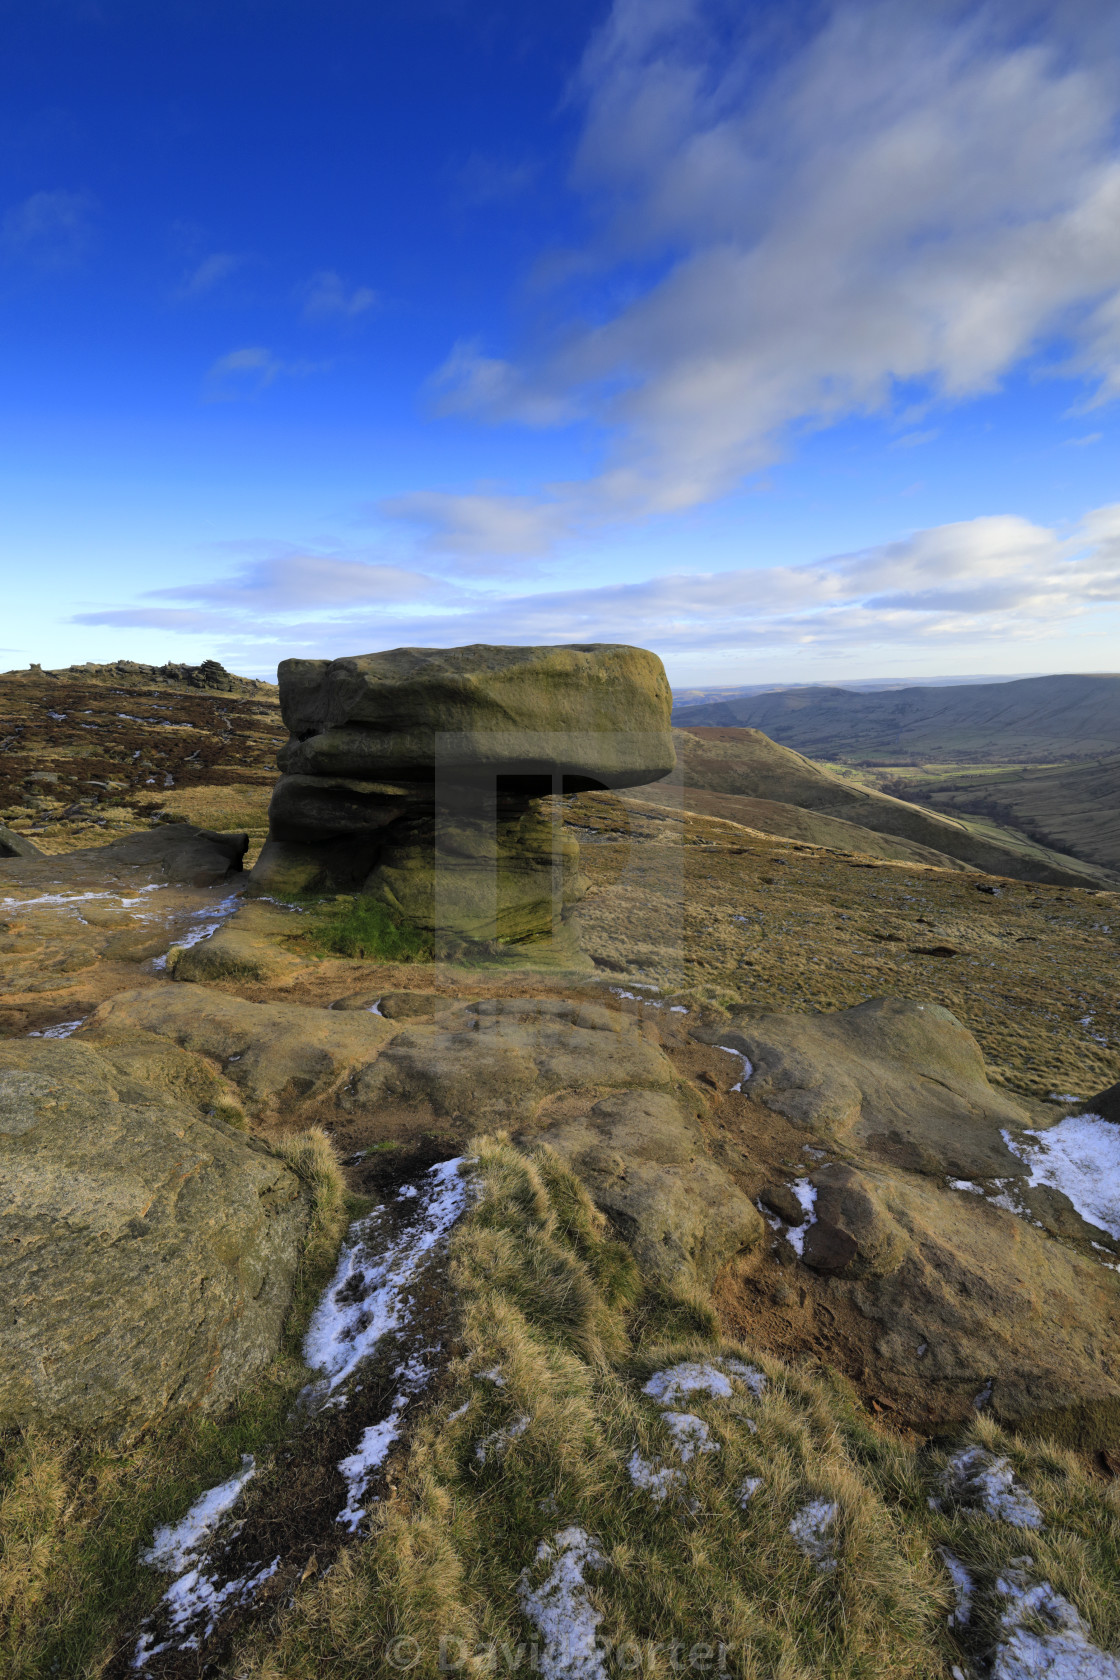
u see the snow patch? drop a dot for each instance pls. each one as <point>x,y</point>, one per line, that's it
<point>62,1030</point>
<point>812,1530</point>
<point>1080,1156</point>
<point>690,1433</point>
<point>974,1474</point>
<point>1063,1652</point>
<point>807,1198</point>
<point>748,1487</point>
<point>369,1292</point>
<point>748,1068</point>
<point>693,1377</point>
<point>173,1547</point>
<point>195,1599</point>
<point>560,1609</point>
<point>962,1589</point>
<point>657,1479</point>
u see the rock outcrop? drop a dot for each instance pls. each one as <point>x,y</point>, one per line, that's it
<point>149,1250</point>
<point>644,1162</point>
<point>412,775</point>
<point>963,1275</point>
<point>15,845</point>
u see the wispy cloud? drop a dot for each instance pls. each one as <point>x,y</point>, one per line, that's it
<point>208,274</point>
<point>976,582</point>
<point>50,230</point>
<point>328,298</point>
<point>805,226</point>
<point>243,374</point>
<point>485,178</point>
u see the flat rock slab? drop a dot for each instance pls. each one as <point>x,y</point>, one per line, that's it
<point>597,711</point>
<point>149,1253</point>
<point>906,1079</point>
<point>178,852</point>
<point>265,1049</point>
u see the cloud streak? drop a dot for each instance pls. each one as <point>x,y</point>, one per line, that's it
<point>987,580</point>
<point>907,202</point>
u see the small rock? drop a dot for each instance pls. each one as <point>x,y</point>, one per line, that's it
<point>828,1247</point>
<point>780,1199</point>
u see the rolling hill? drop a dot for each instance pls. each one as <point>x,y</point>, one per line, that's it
<point>1034,720</point>
<point>1074,808</point>
<point>743,776</point>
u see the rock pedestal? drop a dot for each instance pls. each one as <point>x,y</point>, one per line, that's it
<point>415,776</point>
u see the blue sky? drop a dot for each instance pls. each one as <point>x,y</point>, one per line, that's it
<point>783,339</point>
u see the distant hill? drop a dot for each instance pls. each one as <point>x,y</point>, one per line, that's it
<point>1033,720</point>
<point>772,788</point>
<point>1073,807</point>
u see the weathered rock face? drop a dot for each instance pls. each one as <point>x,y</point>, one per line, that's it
<point>149,1252</point>
<point>480,709</point>
<point>645,1163</point>
<point>969,1279</point>
<point>906,1078</point>
<point>412,774</point>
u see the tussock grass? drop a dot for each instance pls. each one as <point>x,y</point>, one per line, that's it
<point>533,1433</point>
<point>444,1560</point>
<point>76,1511</point>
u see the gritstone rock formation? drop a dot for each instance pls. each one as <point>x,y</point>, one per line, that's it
<point>149,1252</point>
<point>412,775</point>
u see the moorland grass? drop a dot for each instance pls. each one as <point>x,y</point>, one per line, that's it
<point>704,1581</point>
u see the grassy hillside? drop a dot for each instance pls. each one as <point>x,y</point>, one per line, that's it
<point>746,765</point>
<point>1034,720</point>
<point>1073,807</point>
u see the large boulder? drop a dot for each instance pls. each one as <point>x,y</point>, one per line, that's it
<point>412,775</point>
<point>907,1079</point>
<point>597,713</point>
<point>149,1252</point>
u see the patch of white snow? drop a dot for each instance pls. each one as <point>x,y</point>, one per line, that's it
<point>369,1293</point>
<point>962,1589</point>
<point>1063,1652</point>
<point>560,1609</point>
<point>657,1479</point>
<point>748,1487</point>
<point>807,1197</point>
<point>173,1547</point>
<point>1080,1156</point>
<point>748,1068</point>
<point>975,1474</point>
<point>812,1530</point>
<point>62,1030</point>
<point>690,1433</point>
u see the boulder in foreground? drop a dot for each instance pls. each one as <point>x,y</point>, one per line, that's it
<point>149,1253</point>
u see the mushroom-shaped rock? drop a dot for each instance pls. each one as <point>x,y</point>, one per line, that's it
<point>412,774</point>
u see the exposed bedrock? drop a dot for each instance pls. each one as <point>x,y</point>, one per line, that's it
<point>150,1250</point>
<point>414,775</point>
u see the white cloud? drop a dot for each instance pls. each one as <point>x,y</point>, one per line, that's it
<point>50,230</point>
<point>208,273</point>
<point>294,581</point>
<point>803,228</point>
<point>980,582</point>
<point>328,298</point>
<point>243,374</point>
